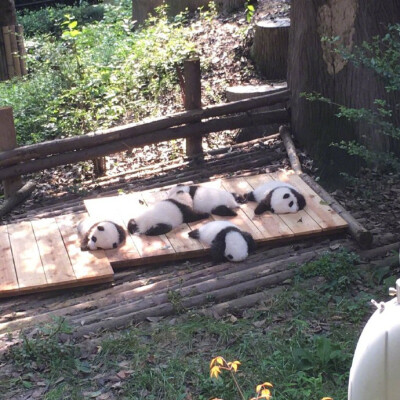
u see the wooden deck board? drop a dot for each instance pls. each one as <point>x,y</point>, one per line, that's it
<point>45,254</point>
<point>9,280</point>
<point>27,261</point>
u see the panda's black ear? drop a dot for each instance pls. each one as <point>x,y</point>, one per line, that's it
<point>217,250</point>
<point>251,244</point>
<point>132,226</point>
<point>121,233</point>
<point>301,201</point>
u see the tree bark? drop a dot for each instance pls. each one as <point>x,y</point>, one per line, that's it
<point>8,15</point>
<point>313,67</point>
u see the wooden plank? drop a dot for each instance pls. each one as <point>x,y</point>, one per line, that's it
<point>178,237</point>
<point>8,275</point>
<point>318,209</point>
<point>300,223</point>
<point>56,263</point>
<point>28,264</point>
<point>271,225</point>
<point>243,221</point>
<point>110,208</point>
<point>87,265</point>
<point>132,205</point>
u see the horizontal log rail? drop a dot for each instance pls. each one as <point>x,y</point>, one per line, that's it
<point>130,131</point>
<point>192,130</point>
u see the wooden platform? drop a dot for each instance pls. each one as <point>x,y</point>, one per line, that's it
<point>45,254</point>
<point>317,218</point>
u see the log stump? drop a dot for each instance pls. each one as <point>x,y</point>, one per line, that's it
<point>235,93</point>
<point>270,47</point>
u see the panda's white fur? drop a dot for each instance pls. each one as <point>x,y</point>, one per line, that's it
<point>208,200</point>
<point>103,235</point>
<point>165,215</point>
<point>226,240</point>
<point>261,191</point>
<point>278,197</point>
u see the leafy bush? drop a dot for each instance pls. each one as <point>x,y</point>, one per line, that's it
<point>48,20</point>
<point>98,75</point>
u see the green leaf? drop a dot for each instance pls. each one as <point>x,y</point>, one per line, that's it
<point>72,24</point>
<point>74,33</point>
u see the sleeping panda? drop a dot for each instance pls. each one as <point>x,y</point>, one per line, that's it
<point>227,241</point>
<point>100,235</point>
<point>278,197</point>
<point>210,200</point>
<point>165,215</point>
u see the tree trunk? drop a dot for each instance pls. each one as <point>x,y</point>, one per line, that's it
<point>7,13</point>
<point>313,67</point>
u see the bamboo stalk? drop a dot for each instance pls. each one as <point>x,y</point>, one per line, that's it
<point>196,129</point>
<point>19,29</point>
<point>132,130</point>
<point>8,51</point>
<point>14,51</point>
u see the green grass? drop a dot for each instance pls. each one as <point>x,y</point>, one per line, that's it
<point>302,341</point>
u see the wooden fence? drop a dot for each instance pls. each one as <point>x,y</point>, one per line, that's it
<point>191,124</point>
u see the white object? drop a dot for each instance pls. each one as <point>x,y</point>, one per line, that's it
<point>375,371</point>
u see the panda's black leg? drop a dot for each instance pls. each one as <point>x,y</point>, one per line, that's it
<point>158,229</point>
<point>224,211</point>
<point>262,207</point>
<point>191,216</point>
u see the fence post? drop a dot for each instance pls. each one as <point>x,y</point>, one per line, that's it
<point>8,141</point>
<point>192,77</point>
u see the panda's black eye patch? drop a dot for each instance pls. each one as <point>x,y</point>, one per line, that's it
<point>291,204</point>
<point>179,192</point>
<point>229,256</point>
<point>93,239</point>
<point>115,245</point>
<point>100,228</point>
<point>286,195</point>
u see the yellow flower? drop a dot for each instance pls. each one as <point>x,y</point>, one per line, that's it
<point>234,365</point>
<point>215,371</point>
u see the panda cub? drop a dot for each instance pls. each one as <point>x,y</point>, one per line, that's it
<point>227,241</point>
<point>165,215</point>
<point>100,235</point>
<point>278,197</point>
<point>210,200</point>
